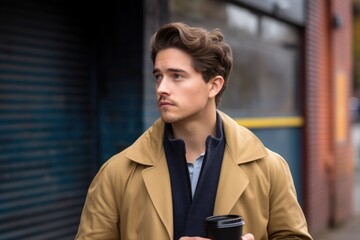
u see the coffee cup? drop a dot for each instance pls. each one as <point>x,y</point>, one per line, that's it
<point>224,227</point>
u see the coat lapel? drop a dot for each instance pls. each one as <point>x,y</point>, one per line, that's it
<point>148,151</point>
<point>242,147</point>
<point>232,184</point>
<point>157,182</point>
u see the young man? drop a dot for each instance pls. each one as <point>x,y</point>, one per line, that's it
<point>194,161</point>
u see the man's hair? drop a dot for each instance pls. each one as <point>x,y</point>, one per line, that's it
<point>211,56</point>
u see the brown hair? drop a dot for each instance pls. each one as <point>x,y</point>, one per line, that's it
<point>211,56</point>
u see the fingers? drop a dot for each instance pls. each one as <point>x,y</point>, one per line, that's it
<point>248,236</point>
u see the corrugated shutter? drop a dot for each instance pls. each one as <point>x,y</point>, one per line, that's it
<point>46,120</point>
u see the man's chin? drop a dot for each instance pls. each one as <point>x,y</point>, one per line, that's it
<point>168,119</point>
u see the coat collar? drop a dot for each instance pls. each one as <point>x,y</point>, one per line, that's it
<point>242,146</point>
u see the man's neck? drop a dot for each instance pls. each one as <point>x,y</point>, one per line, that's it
<point>194,134</point>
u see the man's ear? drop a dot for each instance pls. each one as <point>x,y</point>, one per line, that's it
<point>215,85</point>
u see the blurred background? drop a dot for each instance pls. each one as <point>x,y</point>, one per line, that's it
<point>76,87</point>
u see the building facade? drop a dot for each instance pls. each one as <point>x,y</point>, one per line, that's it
<point>76,87</point>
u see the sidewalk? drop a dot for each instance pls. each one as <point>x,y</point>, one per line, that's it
<point>350,229</point>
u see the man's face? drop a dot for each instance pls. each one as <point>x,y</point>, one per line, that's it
<point>182,92</point>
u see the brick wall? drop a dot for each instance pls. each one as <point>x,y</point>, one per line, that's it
<point>316,64</point>
<point>328,160</point>
<point>342,61</point>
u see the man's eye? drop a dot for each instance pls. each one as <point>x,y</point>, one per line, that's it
<point>177,76</point>
<point>157,77</point>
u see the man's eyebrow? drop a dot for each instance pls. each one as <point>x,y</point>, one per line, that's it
<point>176,70</point>
<point>156,70</point>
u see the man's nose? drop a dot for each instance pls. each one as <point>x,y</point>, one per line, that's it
<point>163,86</point>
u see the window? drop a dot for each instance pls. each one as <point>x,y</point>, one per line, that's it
<point>265,80</point>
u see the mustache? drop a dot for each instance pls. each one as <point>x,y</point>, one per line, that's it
<point>164,99</point>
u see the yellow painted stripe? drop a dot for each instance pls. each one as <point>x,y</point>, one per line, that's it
<point>270,122</point>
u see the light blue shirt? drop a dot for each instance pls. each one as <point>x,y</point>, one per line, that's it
<point>194,172</point>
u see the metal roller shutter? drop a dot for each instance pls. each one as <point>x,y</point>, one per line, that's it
<point>47,144</point>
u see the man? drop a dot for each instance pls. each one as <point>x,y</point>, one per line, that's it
<point>194,161</point>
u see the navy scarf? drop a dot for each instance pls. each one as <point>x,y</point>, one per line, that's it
<point>188,212</point>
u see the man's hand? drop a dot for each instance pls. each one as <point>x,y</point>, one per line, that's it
<point>247,236</point>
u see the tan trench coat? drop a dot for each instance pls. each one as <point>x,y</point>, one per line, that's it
<point>130,198</point>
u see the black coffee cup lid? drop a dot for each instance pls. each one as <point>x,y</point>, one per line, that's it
<point>222,221</point>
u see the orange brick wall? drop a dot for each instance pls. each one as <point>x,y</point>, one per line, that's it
<point>328,161</point>
<point>316,115</point>
<point>342,61</point>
